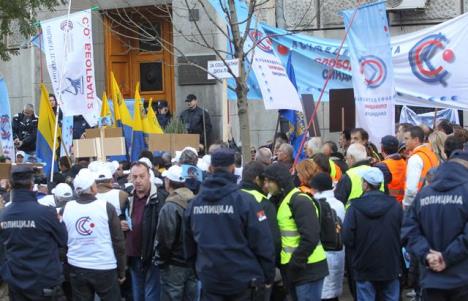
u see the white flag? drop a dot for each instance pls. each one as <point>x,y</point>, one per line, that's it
<point>68,46</point>
<point>371,60</point>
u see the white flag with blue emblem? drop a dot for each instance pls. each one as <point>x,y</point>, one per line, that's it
<point>68,47</point>
<point>371,61</point>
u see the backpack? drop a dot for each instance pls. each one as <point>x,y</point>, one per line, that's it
<point>330,225</point>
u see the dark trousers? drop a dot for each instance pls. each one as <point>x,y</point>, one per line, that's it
<point>457,294</point>
<point>21,295</point>
<point>248,295</point>
<point>178,283</point>
<point>86,283</point>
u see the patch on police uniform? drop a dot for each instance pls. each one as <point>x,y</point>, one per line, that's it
<point>261,216</point>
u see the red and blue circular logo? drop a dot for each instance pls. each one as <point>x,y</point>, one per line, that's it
<point>422,55</point>
<point>261,40</point>
<point>374,70</point>
<point>84,226</point>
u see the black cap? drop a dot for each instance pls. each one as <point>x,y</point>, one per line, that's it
<point>22,169</point>
<point>389,141</point>
<point>190,97</point>
<point>321,182</point>
<point>222,157</point>
<point>162,104</point>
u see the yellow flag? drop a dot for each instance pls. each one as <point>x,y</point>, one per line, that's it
<point>45,130</point>
<point>105,110</point>
<point>116,97</point>
<point>150,122</point>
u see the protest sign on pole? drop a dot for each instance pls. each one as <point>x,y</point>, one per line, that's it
<point>371,60</point>
<point>68,47</point>
<point>6,132</point>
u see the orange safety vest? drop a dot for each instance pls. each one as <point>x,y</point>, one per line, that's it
<point>335,172</point>
<point>429,159</point>
<point>397,168</point>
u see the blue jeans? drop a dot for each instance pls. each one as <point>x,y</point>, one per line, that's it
<point>366,290</point>
<point>145,282</point>
<point>310,291</point>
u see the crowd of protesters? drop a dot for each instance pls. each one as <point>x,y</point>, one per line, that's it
<point>198,226</point>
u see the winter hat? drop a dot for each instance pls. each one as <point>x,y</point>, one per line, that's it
<point>389,141</point>
<point>222,157</point>
<point>321,182</point>
<point>280,174</point>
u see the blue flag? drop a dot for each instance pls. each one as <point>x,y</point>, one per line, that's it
<point>295,118</point>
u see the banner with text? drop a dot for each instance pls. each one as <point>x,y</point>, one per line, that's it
<point>68,47</point>
<point>371,61</point>
<point>428,64</point>
<point>276,89</point>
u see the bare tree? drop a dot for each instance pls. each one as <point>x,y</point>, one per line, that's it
<point>132,23</point>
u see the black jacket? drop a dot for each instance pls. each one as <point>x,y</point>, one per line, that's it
<point>438,220</point>
<point>79,126</point>
<point>298,271</point>
<point>371,233</point>
<point>164,120</point>
<point>270,212</point>
<point>171,228</point>
<point>228,236</point>
<point>193,121</point>
<point>31,235</point>
<point>25,129</point>
<point>153,205</point>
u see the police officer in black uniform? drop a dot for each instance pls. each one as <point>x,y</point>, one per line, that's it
<point>31,235</point>
<point>228,237</point>
<point>196,120</point>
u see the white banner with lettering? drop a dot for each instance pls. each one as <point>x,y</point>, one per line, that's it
<point>371,61</point>
<point>68,47</point>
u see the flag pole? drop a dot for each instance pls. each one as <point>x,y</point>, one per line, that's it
<point>52,163</point>
<point>325,84</point>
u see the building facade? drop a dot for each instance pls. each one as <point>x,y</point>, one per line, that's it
<point>124,31</point>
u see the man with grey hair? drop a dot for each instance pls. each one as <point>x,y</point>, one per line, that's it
<point>350,185</point>
<point>24,127</point>
<point>96,244</point>
<point>286,155</point>
<point>313,146</point>
<point>264,156</point>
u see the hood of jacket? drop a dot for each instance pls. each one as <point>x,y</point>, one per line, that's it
<point>180,196</point>
<point>450,175</point>
<point>373,204</point>
<point>218,185</point>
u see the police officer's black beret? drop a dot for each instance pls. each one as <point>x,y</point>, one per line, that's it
<point>222,157</point>
<point>22,169</point>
